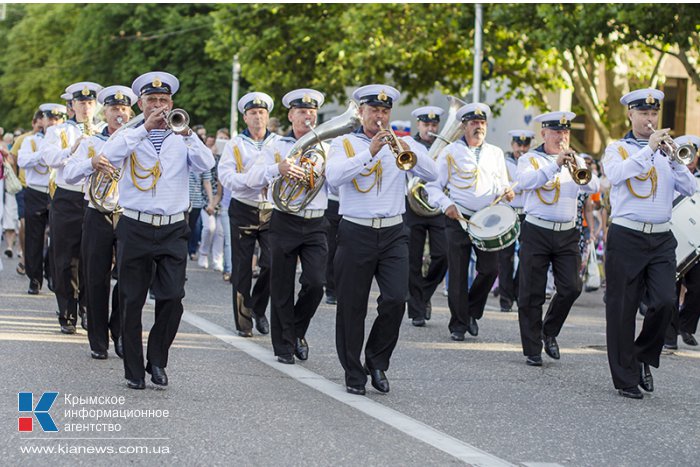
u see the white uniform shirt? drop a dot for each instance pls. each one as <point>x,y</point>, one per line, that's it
<point>57,147</point>
<point>79,165</point>
<point>29,158</point>
<point>265,171</point>
<point>178,156</point>
<point>387,198</point>
<point>638,160</point>
<point>512,168</point>
<point>486,179</point>
<point>547,173</point>
<point>238,157</point>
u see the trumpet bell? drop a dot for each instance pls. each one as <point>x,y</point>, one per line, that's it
<point>178,120</point>
<point>406,160</point>
<point>685,153</point>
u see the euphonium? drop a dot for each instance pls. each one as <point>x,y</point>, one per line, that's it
<point>451,131</point>
<point>309,154</point>
<point>102,187</point>
<point>405,160</point>
<point>683,154</point>
<point>580,173</point>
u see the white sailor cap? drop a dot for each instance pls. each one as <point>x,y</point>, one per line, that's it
<point>559,120</point>
<point>155,82</point>
<point>473,111</point>
<point>53,110</point>
<point>521,136</point>
<point>376,95</point>
<point>84,90</point>
<point>117,95</point>
<point>429,114</point>
<point>643,99</point>
<point>303,98</point>
<point>66,96</point>
<point>688,139</point>
<point>255,100</point>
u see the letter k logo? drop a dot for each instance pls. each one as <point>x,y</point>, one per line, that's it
<point>41,411</point>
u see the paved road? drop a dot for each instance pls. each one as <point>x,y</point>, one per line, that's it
<point>230,403</point>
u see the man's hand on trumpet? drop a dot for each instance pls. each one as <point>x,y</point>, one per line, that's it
<point>156,120</point>
<point>288,168</point>
<point>658,137</point>
<point>101,164</point>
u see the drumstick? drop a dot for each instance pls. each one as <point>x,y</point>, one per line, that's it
<point>467,221</point>
<point>495,201</point>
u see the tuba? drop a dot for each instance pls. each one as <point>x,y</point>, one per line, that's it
<point>102,187</point>
<point>417,196</point>
<point>311,158</point>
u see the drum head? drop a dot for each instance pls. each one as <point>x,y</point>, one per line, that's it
<point>492,221</point>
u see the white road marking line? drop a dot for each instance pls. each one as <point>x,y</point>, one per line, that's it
<point>414,428</point>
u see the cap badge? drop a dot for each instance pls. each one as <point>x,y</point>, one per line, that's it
<point>650,99</point>
<point>431,115</point>
<point>257,101</point>
<point>306,99</point>
<point>55,111</point>
<point>382,95</point>
<point>157,83</point>
<point>563,120</point>
<point>522,138</point>
<point>85,91</point>
<point>478,112</point>
<point>119,96</point>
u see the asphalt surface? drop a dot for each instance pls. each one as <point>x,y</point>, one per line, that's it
<point>230,403</point>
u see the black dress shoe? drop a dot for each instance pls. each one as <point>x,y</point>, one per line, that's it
<point>262,325</point>
<point>301,349</point>
<point>245,333</point>
<point>428,311</point>
<point>379,379</point>
<point>646,381</point>
<point>632,393</point>
<point>67,329</point>
<point>286,359</point>
<point>331,300</point>
<point>671,346</point>
<point>457,336</point>
<point>418,322</point>
<point>83,318</point>
<point>98,354</point>
<point>34,287</point>
<point>688,338</point>
<point>551,347</point>
<point>356,390</point>
<point>534,360</point>
<point>138,383</point>
<point>158,375</point>
<point>506,309</point>
<point>472,327</point>
<point>119,347</point>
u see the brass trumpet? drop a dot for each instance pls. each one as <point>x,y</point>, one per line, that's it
<point>579,171</point>
<point>405,160</point>
<point>177,120</point>
<point>683,154</point>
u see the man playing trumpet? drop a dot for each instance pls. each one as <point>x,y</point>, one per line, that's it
<point>549,235</point>
<point>99,240</point>
<point>640,247</point>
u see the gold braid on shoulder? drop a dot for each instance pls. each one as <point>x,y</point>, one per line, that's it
<point>650,175</point>
<point>553,186</point>
<point>143,173</point>
<point>471,177</point>
<point>376,170</point>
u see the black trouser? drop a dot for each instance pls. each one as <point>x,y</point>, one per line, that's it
<point>465,302</point>
<point>67,212</point>
<point>192,219</point>
<point>143,247</point>
<point>538,248</point>
<point>365,253</point>
<point>98,245</point>
<point>635,262</point>
<point>36,216</point>
<point>292,238</point>
<point>507,281</point>
<point>421,288</point>
<point>333,219</point>
<point>246,229</point>
<point>686,319</point>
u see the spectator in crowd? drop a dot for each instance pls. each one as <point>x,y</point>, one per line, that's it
<point>199,183</point>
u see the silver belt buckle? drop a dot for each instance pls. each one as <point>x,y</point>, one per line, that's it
<point>558,226</point>
<point>160,220</point>
<point>650,228</point>
<point>376,223</point>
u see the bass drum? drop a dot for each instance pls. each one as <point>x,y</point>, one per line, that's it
<point>685,225</point>
<point>494,228</point>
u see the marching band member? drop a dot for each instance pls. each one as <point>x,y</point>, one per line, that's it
<point>640,247</point>
<point>474,172</point>
<point>152,231</point>
<point>296,234</point>
<point>421,288</point>
<point>36,196</point>
<point>507,282</point>
<point>333,218</point>
<point>249,214</point>
<point>99,240</point>
<point>548,234</point>
<point>68,206</point>
<point>372,241</point>
<point>685,320</point>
